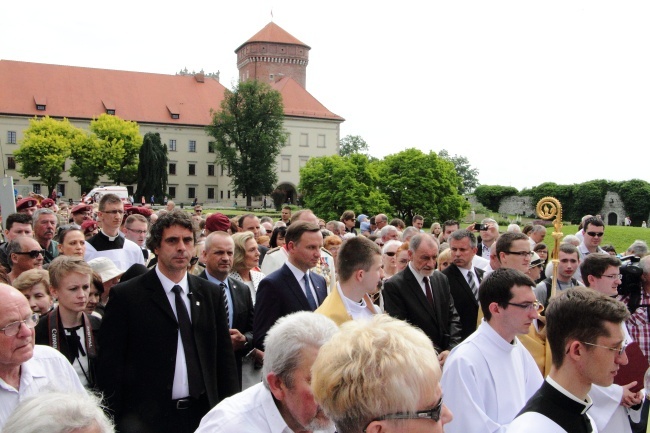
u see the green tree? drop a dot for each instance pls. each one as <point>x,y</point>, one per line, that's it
<point>635,194</point>
<point>332,184</point>
<point>351,144</point>
<point>419,183</point>
<point>249,134</point>
<point>121,141</point>
<point>468,174</point>
<point>152,168</point>
<point>45,148</point>
<point>490,196</point>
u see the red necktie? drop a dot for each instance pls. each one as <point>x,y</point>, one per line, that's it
<point>427,287</point>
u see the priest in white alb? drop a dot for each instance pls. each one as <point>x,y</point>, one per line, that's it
<point>488,378</point>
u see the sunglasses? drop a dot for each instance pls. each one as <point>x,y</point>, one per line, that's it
<point>33,253</point>
<point>194,260</point>
<point>596,234</point>
<point>390,253</point>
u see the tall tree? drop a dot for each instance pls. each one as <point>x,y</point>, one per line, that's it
<point>468,174</point>
<point>332,184</point>
<point>249,135</point>
<point>45,148</point>
<point>152,167</point>
<point>351,144</point>
<point>121,139</point>
<point>419,183</point>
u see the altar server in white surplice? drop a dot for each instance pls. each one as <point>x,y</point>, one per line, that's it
<point>489,377</point>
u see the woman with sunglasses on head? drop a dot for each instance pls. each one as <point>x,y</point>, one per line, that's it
<point>72,241</point>
<point>245,261</point>
<point>68,328</point>
<point>388,253</point>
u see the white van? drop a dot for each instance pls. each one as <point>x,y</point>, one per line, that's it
<point>98,193</point>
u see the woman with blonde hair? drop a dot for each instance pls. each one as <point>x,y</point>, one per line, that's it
<point>35,285</point>
<point>245,261</point>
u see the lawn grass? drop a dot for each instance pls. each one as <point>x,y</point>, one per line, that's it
<point>619,236</point>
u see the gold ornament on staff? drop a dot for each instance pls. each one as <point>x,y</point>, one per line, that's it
<point>547,208</point>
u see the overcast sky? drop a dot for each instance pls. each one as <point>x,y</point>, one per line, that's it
<point>528,91</point>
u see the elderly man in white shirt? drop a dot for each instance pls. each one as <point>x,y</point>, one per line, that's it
<point>26,369</point>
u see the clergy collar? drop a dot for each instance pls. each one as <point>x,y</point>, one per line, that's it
<point>585,403</point>
<point>110,238</point>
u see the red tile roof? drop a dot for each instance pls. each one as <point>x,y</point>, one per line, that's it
<point>85,93</point>
<point>274,33</point>
<point>299,102</point>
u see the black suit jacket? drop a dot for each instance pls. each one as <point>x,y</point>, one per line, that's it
<point>464,300</point>
<point>242,319</point>
<point>404,299</point>
<point>138,343</point>
<point>279,294</point>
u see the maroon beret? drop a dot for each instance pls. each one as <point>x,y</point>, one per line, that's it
<point>25,203</point>
<point>81,208</point>
<point>217,222</point>
<point>48,202</point>
<point>88,225</point>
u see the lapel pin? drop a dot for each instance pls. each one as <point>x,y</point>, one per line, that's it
<point>198,303</point>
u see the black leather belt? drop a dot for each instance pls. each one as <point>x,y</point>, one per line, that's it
<point>183,403</point>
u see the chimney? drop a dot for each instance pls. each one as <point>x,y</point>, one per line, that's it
<point>200,77</point>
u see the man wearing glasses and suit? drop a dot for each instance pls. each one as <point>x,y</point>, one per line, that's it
<point>489,377</point>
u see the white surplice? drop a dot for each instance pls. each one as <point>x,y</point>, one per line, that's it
<point>486,380</point>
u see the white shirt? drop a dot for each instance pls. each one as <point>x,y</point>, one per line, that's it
<point>487,380</point>
<point>252,410</point>
<point>47,370</point>
<point>181,385</point>
<point>357,310</point>
<point>300,276</point>
<point>123,258</point>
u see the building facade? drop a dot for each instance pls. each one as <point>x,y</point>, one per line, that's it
<point>175,106</point>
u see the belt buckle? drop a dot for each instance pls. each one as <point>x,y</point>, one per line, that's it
<point>183,403</point>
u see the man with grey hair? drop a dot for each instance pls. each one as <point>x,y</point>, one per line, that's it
<point>389,233</point>
<point>409,232</point>
<point>45,222</point>
<point>638,248</point>
<point>536,235</point>
<point>283,401</point>
<point>25,369</point>
<point>422,297</point>
<point>59,412</point>
<point>381,220</point>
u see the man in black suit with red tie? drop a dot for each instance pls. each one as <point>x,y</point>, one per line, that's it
<point>165,355</point>
<point>421,296</point>
<point>218,258</point>
<point>293,287</point>
<point>464,279</point>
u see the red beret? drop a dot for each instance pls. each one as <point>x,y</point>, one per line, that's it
<point>25,203</point>
<point>217,222</point>
<point>145,212</point>
<point>81,208</point>
<point>88,225</point>
<point>48,202</point>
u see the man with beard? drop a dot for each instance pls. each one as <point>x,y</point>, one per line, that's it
<point>283,402</point>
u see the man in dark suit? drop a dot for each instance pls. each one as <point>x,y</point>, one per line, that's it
<point>165,352</point>
<point>421,296</point>
<point>464,279</point>
<point>293,287</point>
<point>218,258</point>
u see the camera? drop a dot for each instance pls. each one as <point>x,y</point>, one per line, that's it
<point>479,226</point>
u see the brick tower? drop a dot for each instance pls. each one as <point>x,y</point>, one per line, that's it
<point>271,55</point>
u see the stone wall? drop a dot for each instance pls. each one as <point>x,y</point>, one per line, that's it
<point>517,205</point>
<point>613,211</point>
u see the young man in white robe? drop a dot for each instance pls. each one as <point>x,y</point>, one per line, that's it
<point>585,352</point>
<point>489,377</point>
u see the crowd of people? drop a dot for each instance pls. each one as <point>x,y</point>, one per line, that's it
<point>117,317</point>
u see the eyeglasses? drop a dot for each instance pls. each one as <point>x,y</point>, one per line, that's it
<point>433,414</point>
<point>596,234</point>
<point>113,212</point>
<point>33,253</point>
<point>613,277</point>
<point>520,253</point>
<point>619,350</point>
<point>390,253</point>
<point>194,260</point>
<point>529,306</point>
<point>139,232</point>
<point>12,329</point>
